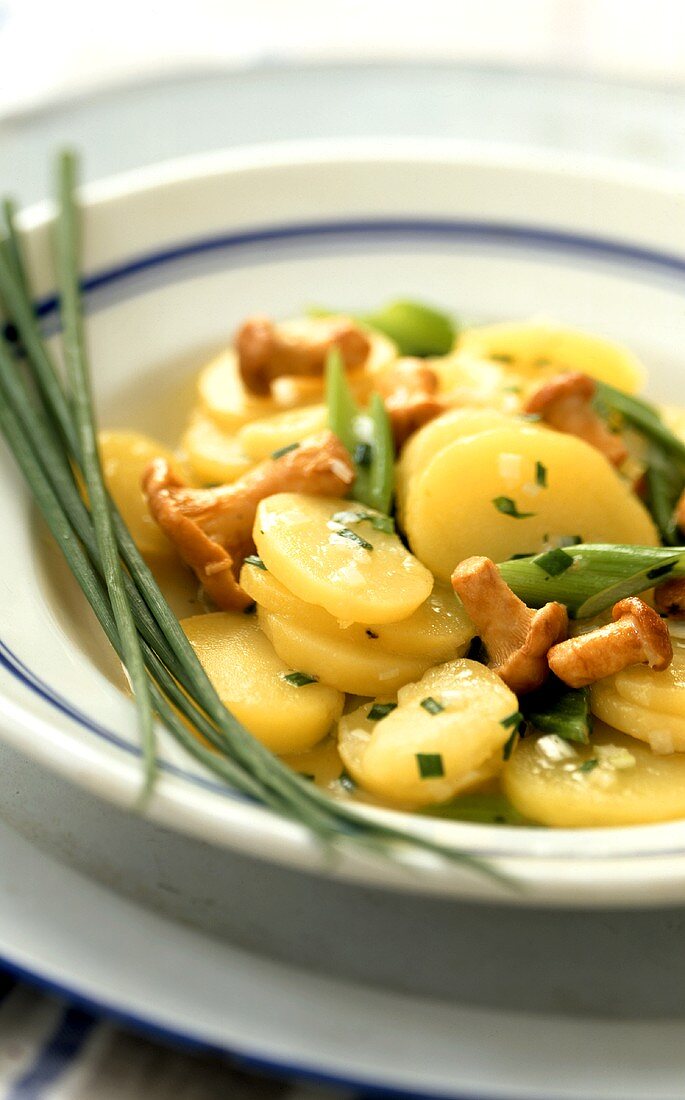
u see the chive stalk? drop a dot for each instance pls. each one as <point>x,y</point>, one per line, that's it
<point>238,758</point>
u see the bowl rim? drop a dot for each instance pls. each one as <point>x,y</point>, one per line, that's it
<point>540,864</point>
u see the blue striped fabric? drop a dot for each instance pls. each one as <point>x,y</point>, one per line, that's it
<point>50,1050</point>
<point>54,1056</point>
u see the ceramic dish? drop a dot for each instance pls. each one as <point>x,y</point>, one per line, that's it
<point>175,257</point>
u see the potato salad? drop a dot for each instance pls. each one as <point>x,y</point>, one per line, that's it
<point>434,569</point>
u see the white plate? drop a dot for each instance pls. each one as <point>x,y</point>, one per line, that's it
<point>174,258</point>
<point>76,938</point>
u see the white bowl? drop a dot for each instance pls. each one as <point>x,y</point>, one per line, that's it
<point>174,258</point>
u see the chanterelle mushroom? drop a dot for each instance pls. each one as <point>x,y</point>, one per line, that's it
<point>670,598</point>
<point>637,636</point>
<point>212,528</point>
<point>409,391</point>
<point>267,351</point>
<point>565,403</point>
<point>516,637</point>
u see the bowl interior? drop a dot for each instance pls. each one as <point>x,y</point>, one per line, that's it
<point>174,260</point>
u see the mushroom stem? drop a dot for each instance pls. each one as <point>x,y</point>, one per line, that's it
<point>636,636</point>
<point>565,403</point>
<point>516,637</point>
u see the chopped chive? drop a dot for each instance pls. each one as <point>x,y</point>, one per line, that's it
<point>553,562</point>
<point>541,475</point>
<point>511,720</point>
<point>371,633</point>
<point>380,710</point>
<point>430,765</point>
<point>432,705</point>
<point>362,454</point>
<point>253,559</point>
<point>299,679</point>
<point>345,533</point>
<point>284,450</point>
<point>507,507</point>
<point>533,418</point>
<point>377,520</point>
<point>511,389</point>
<point>500,357</point>
<point>588,765</point>
<point>346,781</point>
<point>510,743</point>
<point>542,362</point>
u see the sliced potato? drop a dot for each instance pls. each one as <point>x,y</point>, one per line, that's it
<point>663,730</point>
<point>471,380</point>
<point>249,678</point>
<point>555,783</point>
<point>301,544</point>
<point>359,666</point>
<point>322,763</point>
<point>438,629</point>
<point>214,456</point>
<point>456,749</point>
<point>663,692</point>
<point>225,399</point>
<point>538,349</point>
<point>434,437</point>
<point>460,504</point>
<point>261,438</point>
<point>124,456</point>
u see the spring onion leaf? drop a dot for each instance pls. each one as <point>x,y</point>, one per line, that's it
<point>416,329</point>
<point>511,720</point>
<point>601,574</point>
<point>639,414</point>
<point>353,427</point>
<point>558,709</point>
<point>430,765</point>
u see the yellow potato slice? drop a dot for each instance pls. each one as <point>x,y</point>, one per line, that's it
<point>548,781</point>
<point>663,692</point>
<point>472,380</point>
<point>214,456</point>
<point>538,349</point>
<point>249,678</point>
<point>438,629</point>
<point>434,437</point>
<point>300,543</point>
<point>124,456</point>
<point>450,511</point>
<point>663,730</point>
<point>461,745</point>
<point>261,438</point>
<point>225,399</point>
<point>359,666</point>
<point>322,764</point>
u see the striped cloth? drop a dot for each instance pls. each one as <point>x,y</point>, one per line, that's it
<point>50,1050</point>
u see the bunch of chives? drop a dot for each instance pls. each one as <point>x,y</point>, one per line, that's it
<point>49,424</point>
